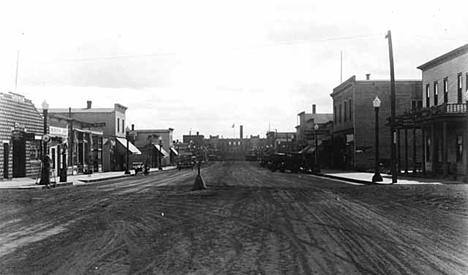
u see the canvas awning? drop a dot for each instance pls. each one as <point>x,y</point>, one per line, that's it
<point>310,149</point>
<point>174,151</point>
<point>131,148</point>
<point>161,149</point>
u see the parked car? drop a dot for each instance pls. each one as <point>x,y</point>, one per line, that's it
<point>186,162</point>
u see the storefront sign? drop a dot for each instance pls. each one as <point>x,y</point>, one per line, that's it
<point>58,132</point>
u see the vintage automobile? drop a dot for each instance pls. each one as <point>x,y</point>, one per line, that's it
<point>186,162</point>
<point>293,162</point>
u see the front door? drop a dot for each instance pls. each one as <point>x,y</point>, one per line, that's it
<point>19,158</point>
<point>6,153</point>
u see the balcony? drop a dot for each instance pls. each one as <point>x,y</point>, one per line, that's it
<point>452,110</point>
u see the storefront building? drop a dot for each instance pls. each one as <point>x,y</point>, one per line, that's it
<point>21,130</point>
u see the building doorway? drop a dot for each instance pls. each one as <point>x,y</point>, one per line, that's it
<point>19,158</point>
<point>6,160</point>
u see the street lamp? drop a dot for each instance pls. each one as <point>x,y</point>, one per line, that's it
<point>317,168</point>
<point>127,169</point>
<point>377,177</point>
<point>466,145</point>
<point>160,152</point>
<point>45,176</point>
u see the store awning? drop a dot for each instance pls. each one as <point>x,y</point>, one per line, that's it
<point>310,149</point>
<point>160,149</point>
<point>174,151</point>
<point>131,148</point>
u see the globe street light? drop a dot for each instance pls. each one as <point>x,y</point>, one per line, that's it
<point>160,152</point>
<point>45,176</point>
<point>317,169</point>
<point>377,177</point>
<point>127,169</point>
<point>465,146</point>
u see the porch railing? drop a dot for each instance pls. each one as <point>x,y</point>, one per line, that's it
<point>452,108</point>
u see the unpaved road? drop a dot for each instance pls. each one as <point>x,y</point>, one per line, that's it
<point>249,221</point>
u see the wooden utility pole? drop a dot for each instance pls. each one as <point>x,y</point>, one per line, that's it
<point>392,101</point>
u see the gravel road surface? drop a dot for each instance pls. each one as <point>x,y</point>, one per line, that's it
<point>249,221</point>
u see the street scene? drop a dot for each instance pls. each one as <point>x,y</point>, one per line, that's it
<point>240,137</point>
<point>249,221</point>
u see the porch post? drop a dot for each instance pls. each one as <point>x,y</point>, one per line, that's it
<point>406,150</point>
<point>423,145</point>
<point>414,149</point>
<point>444,149</point>
<point>399,151</point>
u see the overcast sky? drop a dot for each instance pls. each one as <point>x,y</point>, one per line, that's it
<point>205,65</point>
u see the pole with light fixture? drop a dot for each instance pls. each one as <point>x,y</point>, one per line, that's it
<point>317,164</point>
<point>45,176</point>
<point>465,145</point>
<point>377,177</point>
<point>127,169</point>
<point>160,153</point>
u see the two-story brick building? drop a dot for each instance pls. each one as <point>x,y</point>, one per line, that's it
<point>354,130</point>
<point>155,145</point>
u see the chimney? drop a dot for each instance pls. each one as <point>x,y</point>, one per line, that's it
<point>197,133</point>
<point>241,131</point>
<point>313,109</point>
<point>367,76</point>
<point>133,127</point>
<point>88,104</point>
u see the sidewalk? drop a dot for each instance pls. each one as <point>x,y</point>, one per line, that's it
<point>80,179</point>
<point>366,178</point>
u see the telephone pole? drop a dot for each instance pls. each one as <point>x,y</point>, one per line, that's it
<point>392,101</point>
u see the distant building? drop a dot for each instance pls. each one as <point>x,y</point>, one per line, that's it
<point>304,130</point>
<point>114,128</point>
<point>443,118</point>
<point>148,141</point>
<point>281,142</point>
<point>354,120</point>
<point>21,130</point>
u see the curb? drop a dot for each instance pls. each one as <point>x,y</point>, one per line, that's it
<point>349,179</point>
<point>108,178</point>
<point>39,187</point>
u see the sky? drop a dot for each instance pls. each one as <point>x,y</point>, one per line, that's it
<point>207,65</point>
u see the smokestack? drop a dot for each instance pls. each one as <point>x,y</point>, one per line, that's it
<point>197,133</point>
<point>367,76</point>
<point>133,127</point>
<point>88,104</point>
<point>313,109</point>
<point>241,131</point>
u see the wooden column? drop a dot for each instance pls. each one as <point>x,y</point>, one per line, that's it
<point>398,151</point>
<point>414,150</point>
<point>444,149</point>
<point>423,145</point>
<point>406,150</point>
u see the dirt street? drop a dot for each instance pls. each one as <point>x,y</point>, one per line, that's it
<point>249,221</point>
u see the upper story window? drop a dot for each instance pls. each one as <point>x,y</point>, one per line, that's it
<point>428,96</point>
<point>118,125</point>
<point>123,125</point>
<point>436,93</point>
<point>459,88</point>
<point>350,110</point>
<point>446,90</point>
<point>345,110</point>
<point>335,114</point>
<point>339,117</point>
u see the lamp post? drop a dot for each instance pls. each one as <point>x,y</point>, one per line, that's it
<point>45,176</point>
<point>127,169</point>
<point>465,145</point>
<point>317,168</point>
<point>377,177</point>
<point>160,153</point>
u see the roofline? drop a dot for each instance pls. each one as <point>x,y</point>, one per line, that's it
<point>445,57</point>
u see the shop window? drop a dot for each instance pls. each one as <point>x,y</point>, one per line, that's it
<point>436,93</point>
<point>345,110</point>
<point>35,150</point>
<point>459,148</point>
<point>118,125</point>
